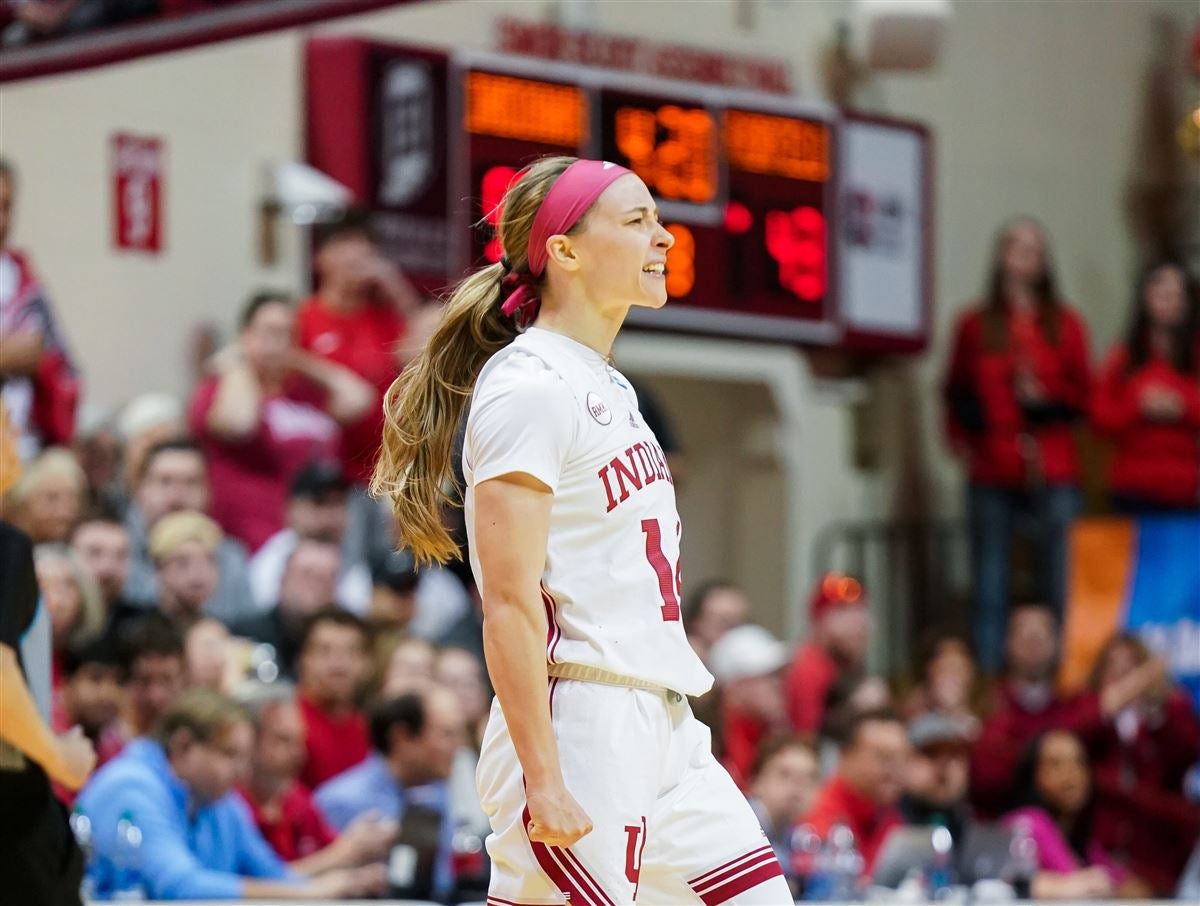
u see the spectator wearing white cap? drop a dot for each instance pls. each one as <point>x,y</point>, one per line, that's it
<point>747,663</point>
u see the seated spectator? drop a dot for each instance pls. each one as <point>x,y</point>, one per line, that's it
<point>72,600</point>
<point>173,479</point>
<point>1139,762</point>
<point>409,668</point>
<point>332,666</point>
<point>947,680</point>
<point>39,386</point>
<point>47,500</point>
<point>457,670</point>
<point>783,786</point>
<point>1027,704</point>
<point>356,320</point>
<point>317,511</point>
<point>91,699</point>
<point>466,631</point>
<point>746,664</point>
<point>936,777</point>
<point>150,650</point>
<point>210,655</point>
<point>283,809</point>
<point>839,634</point>
<point>414,738</point>
<point>864,793</point>
<point>1147,401</point>
<point>147,420</point>
<point>849,697</point>
<point>266,411</point>
<point>97,449</point>
<point>462,673</point>
<point>394,579</point>
<point>198,840</point>
<point>1054,797</point>
<point>102,545</point>
<point>183,547</point>
<point>307,585</point>
<point>711,611</point>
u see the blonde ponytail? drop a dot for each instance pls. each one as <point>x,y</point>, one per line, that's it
<point>424,405</point>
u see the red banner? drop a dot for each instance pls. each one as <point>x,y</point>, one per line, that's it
<point>137,169</point>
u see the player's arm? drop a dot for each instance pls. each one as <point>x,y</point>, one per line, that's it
<point>68,758</point>
<point>512,525</point>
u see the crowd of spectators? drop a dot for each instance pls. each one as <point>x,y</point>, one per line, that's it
<point>282,702</point>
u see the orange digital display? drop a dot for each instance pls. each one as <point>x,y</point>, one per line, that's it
<point>672,148</point>
<point>777,145</point>
<point>526,110</point>
<point>681,261</point>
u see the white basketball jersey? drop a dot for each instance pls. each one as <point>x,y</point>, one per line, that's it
<point>553,408</point>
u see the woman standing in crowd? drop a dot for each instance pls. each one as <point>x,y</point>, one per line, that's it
<point>1147,399</point>
<point>598,780</point>
<point>1017,382</point>
<point>1053,788</point>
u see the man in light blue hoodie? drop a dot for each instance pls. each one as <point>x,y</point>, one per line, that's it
<point>197,838</point>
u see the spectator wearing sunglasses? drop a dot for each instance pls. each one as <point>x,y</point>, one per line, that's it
<point>839,633</point>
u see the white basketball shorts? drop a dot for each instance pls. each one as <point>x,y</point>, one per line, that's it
<point>669,825</point>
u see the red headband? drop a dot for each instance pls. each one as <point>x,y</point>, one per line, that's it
<point>568,200</point>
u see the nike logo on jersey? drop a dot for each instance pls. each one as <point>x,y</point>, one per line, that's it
<point>643,464</point>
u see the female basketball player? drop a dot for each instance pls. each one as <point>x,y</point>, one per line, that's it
<point>599,783</point>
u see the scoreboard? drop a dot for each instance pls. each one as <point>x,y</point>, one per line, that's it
<point>773,222</point>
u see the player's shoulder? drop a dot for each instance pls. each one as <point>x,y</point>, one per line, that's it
<point>523,378</point>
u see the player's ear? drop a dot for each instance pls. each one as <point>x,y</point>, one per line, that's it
<point>561,250</point>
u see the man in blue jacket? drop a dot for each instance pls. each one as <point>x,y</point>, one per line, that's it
<point>197,838</point>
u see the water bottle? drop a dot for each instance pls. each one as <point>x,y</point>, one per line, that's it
<point>847,864</point>
<point>939,873</point>
<point>820,881</point>
<point>805,852</point>
<point>81,827</point>
<point>127,862</point>
<point>1022,863</point>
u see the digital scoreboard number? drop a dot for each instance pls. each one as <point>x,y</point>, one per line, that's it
<point>753,190</point>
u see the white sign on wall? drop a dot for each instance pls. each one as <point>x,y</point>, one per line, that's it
<point>882,261</point>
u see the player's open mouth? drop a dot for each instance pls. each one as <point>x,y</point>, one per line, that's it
<point>658,270</point>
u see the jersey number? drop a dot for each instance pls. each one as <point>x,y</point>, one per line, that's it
<point>670,581</point>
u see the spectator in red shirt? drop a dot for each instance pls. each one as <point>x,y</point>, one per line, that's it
<point>90,698</point>
<point>333,665</point>
<point>1147,400</point>
<point>1027,704</point>
<point>1017,383</point>
<point>839,633</point>
<point>284,809</point>
<point>357,319</point>
<point>864,793</point>
<point>1139,764</point>
<point>747,662</point>
<point>268,410</point>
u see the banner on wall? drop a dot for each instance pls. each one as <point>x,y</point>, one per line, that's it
<point>137,171</point>
<point>1134,575</point>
